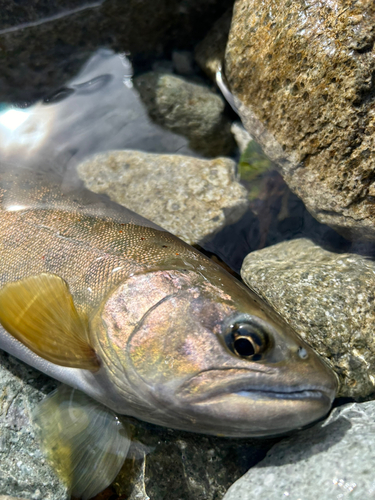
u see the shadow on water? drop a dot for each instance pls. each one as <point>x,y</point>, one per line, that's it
<point>255,231</point>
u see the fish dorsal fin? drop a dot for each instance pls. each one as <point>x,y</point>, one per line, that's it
<point>85,441</point>
<point>39,311</point>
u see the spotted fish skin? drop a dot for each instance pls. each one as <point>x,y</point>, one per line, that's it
<point>162,320</point>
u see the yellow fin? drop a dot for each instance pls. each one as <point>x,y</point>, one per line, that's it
<point>85,442</point>
<point>39,312</point>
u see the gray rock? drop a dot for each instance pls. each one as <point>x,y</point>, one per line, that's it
<point>328,299</point>
<point>183,62</point>
<point>332,460</point>
<point>188,109</point>
<point>304,86</point>
<point>6,497</point>
<point>186,466</point>
<point>190,197</point>
<point>23,470</point>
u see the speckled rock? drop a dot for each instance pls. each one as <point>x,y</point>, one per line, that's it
<point>332,461</point>
<point>328,298</point>
<point>186,466</point>
<point>302,76</point>
<point>189,109</point>
<point>7,497</point>
<point>189,197</point>
<point>23,470</point>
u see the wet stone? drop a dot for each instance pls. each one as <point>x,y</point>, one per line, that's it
<point>190,197</point>
<point>328,299</point>
<point>332,460</point>
<point>188,109</point>
<point>186,466</point>
<point>304,86</point>
<point>23,470</point>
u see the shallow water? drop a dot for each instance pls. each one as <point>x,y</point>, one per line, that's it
<point>98,110</point>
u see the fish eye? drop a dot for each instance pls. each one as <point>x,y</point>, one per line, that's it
<point>247,339</point>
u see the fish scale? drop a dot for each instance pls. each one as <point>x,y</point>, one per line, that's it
<point>114,306</point>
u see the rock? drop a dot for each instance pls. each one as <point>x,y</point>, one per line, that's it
<point>190,197</point>
<point>189,109</point>
<point>332,460</point>
<point>23,470</point>
<point>186,466</point>
<point>302,77</point>
<point>43,44</point>
<point>6,497</point>
<point>210,52</point>
<point>328,299</point>
<point>183,62</point>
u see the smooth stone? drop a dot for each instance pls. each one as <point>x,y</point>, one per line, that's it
<point>190,197</point>
<point>188,109</point>
<point>328,299</point>
<point>24,472</point>
<point>302,77</point>
<point>332,460</point>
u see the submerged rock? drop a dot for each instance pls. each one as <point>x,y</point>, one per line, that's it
<point>190,197</point>
<point>188,109</point>
<point>328,299</point>
<point>186,466</point>
<point>302,76</point>
<point>23,470</point>
<point>332,460</point>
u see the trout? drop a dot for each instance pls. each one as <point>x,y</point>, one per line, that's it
<point>114,306</point>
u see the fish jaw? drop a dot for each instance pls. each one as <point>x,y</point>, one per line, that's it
<point>161,339</point>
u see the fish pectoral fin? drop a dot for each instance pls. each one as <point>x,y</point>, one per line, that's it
<point>39,312</point>
<point>84,440</point>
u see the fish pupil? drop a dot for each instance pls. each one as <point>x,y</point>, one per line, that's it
<point>244,347</point>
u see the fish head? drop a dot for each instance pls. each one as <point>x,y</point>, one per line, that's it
<point>197,350</point>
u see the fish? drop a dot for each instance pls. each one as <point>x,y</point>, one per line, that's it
<point>136,322</point>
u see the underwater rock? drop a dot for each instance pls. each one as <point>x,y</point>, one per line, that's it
<point>302,77</point>
<point>332,460</point>
<point>186,466</point>
<point>328,299</point>
<point>6,497</point>
<point>189,109</point>
<point>23,470</point>
<point>190,197</point>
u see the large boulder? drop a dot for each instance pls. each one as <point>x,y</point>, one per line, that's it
<point>303,79</point>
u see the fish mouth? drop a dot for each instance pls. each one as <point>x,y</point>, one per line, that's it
<point>295,395</point>
<point>247,404</point>
<point>207,386</point>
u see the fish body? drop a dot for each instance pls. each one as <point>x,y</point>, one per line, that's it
<point>169,336</point>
